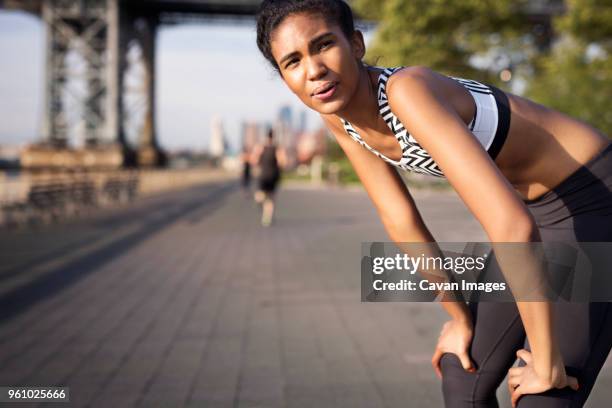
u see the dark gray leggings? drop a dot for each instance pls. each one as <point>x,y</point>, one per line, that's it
<point>578,210</point>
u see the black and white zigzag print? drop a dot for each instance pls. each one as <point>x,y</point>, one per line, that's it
<point>473,86</point>
<point>414,157</point>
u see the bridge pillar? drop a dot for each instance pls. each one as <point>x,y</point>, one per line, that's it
<point>149,152</point>
<point>87,42</point>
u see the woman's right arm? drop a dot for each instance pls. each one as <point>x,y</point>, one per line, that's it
<point>403,223</point>
<point>385,188</point>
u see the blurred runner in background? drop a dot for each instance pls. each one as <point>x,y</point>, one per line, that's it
<point>270,159</point>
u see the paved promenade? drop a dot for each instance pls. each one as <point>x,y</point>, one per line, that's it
<point>184,300</point>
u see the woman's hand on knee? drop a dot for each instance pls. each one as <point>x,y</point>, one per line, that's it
<point>526,380</point>
<point>455,338</point>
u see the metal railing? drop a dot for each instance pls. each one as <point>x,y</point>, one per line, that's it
<point>32,198</point>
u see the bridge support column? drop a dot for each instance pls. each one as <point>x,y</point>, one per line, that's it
<point>87,43</point>
<point>149,152</point>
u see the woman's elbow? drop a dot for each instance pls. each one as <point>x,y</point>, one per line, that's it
<point>521,229</point>
<point>407,230</point>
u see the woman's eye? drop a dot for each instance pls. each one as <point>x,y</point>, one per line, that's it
<point>290,63</point>
<point>326,44</point>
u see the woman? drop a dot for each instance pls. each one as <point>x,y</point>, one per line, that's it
<point>519,167</point>
<point>270,160</point>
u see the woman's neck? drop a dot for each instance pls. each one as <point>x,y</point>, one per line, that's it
<point>362,109</point>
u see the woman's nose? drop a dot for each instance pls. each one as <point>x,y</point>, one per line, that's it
<point>315,68</point>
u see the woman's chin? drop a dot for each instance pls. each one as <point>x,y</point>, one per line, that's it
<point>328,108</point>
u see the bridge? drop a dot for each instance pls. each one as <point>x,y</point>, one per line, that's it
<point>109,36</point>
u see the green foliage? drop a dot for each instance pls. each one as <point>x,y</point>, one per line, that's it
<point>572,79</point>
<point>441,34</point>
<point>590,20</point>
<point>367,9</point>
<point>571,82</point>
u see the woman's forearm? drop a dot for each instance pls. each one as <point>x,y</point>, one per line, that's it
<point>419,239</point>
<point>458,310</point>
<point>538,321</point>
<point>523,265</point>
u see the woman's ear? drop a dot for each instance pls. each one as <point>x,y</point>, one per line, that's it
<point>358,45</point>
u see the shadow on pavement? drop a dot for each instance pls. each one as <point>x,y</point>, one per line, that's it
<point>22,298</point>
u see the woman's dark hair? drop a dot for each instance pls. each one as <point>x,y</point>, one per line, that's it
<point>273,12</point>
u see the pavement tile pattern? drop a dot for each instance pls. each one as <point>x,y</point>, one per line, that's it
<point>184,300</point>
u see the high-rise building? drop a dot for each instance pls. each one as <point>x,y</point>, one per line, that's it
<point>302,122</point>
<point>217,145</point>
<point>250,135</point>
<point>284,115</point>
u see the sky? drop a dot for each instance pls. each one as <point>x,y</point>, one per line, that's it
<point>203,69</point>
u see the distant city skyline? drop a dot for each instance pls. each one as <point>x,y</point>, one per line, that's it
<point>194,62</point>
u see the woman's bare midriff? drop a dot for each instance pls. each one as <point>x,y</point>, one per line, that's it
<point>544,147</point>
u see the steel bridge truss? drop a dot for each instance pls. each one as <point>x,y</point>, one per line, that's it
<point>90,101</point>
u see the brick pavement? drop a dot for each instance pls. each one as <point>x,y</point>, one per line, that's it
<point>185,300</point>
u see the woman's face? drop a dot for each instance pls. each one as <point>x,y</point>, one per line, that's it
<point>316,60</point>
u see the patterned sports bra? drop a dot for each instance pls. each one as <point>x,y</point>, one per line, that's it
<point>490,125</point>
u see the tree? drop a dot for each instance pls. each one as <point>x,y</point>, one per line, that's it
<point>575,77</point>
<point>444,35</point>
<point>589,20</point>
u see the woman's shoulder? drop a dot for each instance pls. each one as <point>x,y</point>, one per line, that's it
<point>412,74</point>
<point>411,71</point>
<point>411,81</point>
<point>417,83</point>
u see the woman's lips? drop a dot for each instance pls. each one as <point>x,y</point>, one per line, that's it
<point>327,94</point>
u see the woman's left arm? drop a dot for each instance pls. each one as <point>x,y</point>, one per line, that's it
<point>415,96</point>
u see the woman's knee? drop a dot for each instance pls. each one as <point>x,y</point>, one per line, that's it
<point>565,398</point>
<point>464,389</point>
